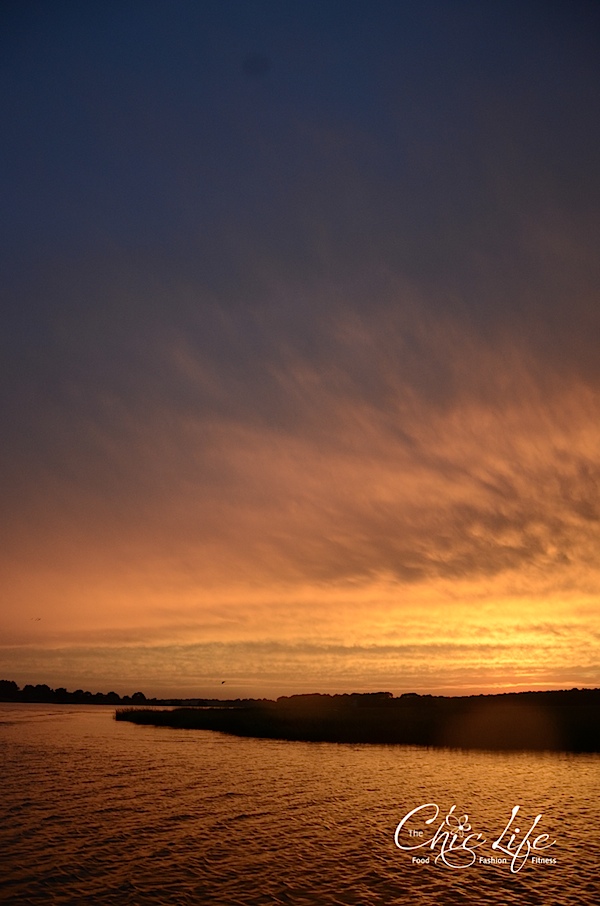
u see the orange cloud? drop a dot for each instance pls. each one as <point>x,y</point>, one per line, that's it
<point>457,526</point>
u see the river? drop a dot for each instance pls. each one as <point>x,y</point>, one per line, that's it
<point>96,811</point>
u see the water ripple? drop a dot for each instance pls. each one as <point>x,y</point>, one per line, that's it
<point>109,813</point>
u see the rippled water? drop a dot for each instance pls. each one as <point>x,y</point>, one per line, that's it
<point>95,811</point>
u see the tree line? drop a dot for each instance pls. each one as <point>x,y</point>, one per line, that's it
<point>10,692</point>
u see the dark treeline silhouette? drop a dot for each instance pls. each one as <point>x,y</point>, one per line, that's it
<point>567,720</point>
<point>10,692</point>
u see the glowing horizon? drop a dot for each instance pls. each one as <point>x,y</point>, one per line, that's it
<point>358,558</point>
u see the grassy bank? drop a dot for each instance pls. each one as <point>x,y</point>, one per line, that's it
<point>558,721</point>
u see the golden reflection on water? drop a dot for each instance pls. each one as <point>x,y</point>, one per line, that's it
<point>110,813</point>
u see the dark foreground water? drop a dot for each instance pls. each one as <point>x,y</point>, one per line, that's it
<point>95,811</point>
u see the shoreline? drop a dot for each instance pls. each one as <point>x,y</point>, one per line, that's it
<point>567,721</point>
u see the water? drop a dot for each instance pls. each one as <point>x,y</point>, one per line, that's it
<point>95,811</point>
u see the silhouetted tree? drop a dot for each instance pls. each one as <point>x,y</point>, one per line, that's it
<point>9,691</point>
<point>44,693</point>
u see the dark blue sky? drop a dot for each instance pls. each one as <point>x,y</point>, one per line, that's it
<point>427,141</point>
<point>136,126</point>
<point>153,179</point>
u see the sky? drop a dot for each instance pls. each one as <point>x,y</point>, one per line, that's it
<point>301,321</point>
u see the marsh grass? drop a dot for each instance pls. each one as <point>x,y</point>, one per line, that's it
<point>552,721</point>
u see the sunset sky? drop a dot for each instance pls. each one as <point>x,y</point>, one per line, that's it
<point>301,345</point>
